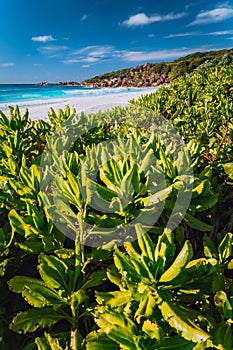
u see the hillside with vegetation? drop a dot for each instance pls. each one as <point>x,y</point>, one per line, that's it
<point>154,74</point>
<point>169,288</point>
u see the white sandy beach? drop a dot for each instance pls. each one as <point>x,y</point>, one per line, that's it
<point>89,104</point>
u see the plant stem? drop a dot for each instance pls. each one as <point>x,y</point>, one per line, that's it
<point>74,343</point>
<point>221,143</point>
<point>75,335</point>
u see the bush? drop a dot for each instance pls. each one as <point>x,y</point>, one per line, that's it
<point>167,288</point>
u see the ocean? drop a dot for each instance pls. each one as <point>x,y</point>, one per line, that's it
<point>26,95</point>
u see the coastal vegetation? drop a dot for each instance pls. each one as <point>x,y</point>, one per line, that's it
<point>154,74</point>
<point>170,288</point>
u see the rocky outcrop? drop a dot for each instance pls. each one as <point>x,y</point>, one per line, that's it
<point>138,76</point>
<point>42,83</point>
<point>65,83</point>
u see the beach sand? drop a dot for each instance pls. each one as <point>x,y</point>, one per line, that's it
<point>92,104</point>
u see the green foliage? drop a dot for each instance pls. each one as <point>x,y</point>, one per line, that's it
<point>177,68</point>
<point>162,293</point>
<point>165,289</point>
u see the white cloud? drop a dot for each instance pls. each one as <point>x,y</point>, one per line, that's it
<point>95,50</point>
<point>151,35</point>
<point>90,54</point>
<point>84,17</point>
<point>43,38</point>
<point>37,64</point>
<point>8,64</point>
<point>71,61</point>
<point>223,32</point>
<point>81,59</point>
<point>181,35</point>
<point>142,56</point>
<point>217,15</point>
<point>141,19</point>
<point>52,49</point>
<point>90,59</point>
<point>100,51</point>
<point>85,66</point>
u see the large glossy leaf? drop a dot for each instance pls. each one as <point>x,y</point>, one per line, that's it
<point>53,271</point>
<point>147,307</point>
<point>35,291</point>
<point>119,328</point>
<point>157,198</point>
<point>225,247</point>
<point>114,299</point>
<point>125,267</point>
<point>179,263</point>
<point>164,252</point>
<point>182,321</point>
<point>145,243</point>
<point>197,224</point>
<point>19,225</point>
<point>99,340</point>
<point>31,320</point>
<point>176,343</point>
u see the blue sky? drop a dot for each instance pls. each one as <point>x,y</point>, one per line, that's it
<point>64,40</point>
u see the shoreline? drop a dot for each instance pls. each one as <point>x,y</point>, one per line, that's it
<point>87,104</point>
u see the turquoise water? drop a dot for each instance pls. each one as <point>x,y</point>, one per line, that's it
<point>28,95</point>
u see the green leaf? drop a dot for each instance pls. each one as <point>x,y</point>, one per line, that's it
<point>118,327</point>
<point>145,243</point>
<point>78,297</point>
<point>222,302</point>
<point>210,249</point>
<point>218,282</point>
<point>147,161</point>
<point>17,283</point>
<point>18,225</point>
<point>153,330</point>
<point>157,197</point>
<point>31,320</point>
<point>95,279</point>
<point>167,164</point>
<point>228,168</point>
<point>181,320</point>
<point>197,224</point>
<point>99,340</point>
<point>176,343</point>
<point>146,308</point>
<point>164,252</point>
<point>204,202</point>
<point>201,188</point>
<point>179,263</point>
<point>201,268</point>
<point>74,190</point>
<point>225,247</point>
<point>125,267</point>
<point>114,299</point>
<point>48,343</point>
<point>53,271</point>
<point>223,338</point>
<point>34,291</point>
